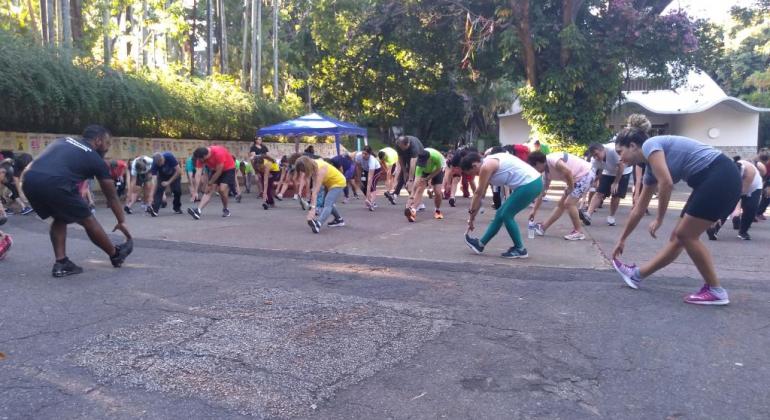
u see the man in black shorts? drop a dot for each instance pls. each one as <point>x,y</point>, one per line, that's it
<point>407,147</point>
<point>613,182</point>
<point>50,184</point>
<point>168,174</point>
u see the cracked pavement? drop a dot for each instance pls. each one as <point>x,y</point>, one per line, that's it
<point>187,330</point>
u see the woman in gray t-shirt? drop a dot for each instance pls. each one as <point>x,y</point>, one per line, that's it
<point>716,186</point>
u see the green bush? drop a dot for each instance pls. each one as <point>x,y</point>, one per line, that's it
<point>43,93</point>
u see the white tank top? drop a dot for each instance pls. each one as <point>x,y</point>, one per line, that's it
<point>756,183</point>
<point>512,172</point>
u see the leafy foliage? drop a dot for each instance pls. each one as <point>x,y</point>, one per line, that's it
<point>43,92</point>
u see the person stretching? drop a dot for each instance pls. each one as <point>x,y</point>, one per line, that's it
<point>613,181</point>
<point>270,173</point>
<point>577,174</point>
<point>323,175</point>
<point>501,170</point>
<point>751,194</point>
<point>168,174</point>
<point>222,165</point>
<point>370,168</point>
<point>50,184</point>
<point>716,184</point>
<point>429,170</point>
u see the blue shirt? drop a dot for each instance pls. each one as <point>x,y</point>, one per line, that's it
<point>685,157</point>
<point>169,166</point>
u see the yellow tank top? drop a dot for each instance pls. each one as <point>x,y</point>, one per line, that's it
<point>333,177</point>
<point>274,167</point>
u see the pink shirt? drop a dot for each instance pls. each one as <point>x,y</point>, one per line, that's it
<point>577,166</point>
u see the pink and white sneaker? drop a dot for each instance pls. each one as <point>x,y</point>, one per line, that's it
<point>575,236</point>
<point>627,272</point>
<point>5,245</point>
<point>706,296</point>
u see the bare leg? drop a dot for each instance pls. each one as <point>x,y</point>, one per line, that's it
<point>614,204</point>
<point>223,189</point>
<point>595,201</point>
<point>555,214</point>
<point>571,207</point>
<point>58,235</point>
<point>686,236</point>
<point>98,236</point>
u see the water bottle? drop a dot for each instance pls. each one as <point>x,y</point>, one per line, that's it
<point>531,230</point>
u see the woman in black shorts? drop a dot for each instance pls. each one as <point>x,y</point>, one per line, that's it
<point>716,185</point>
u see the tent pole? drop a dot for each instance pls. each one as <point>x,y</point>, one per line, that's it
<point>366,141</point>
<point>358,144</point>
<point>337,143</point>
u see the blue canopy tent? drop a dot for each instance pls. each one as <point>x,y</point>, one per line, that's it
<point>314,125</point>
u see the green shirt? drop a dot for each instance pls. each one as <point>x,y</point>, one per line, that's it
<point>391,156</point>
<point>435,162</point>
<point>248,169</point>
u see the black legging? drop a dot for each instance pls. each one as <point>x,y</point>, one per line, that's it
<point>749,206</point>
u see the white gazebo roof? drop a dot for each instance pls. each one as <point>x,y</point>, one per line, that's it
<point>698,93</point>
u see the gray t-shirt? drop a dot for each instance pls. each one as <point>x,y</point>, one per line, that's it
<point>684,157</point>
<point>609,166</point>
<point>414,149</point>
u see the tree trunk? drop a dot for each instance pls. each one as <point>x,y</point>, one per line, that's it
<point>192,39</point>
<point>569,11</point>
<point>256,46</point>
<point>66,27</point>
<point>524,32</point>
<point>224,64</point>
<point>33,21</point>
<point>52,37</point>
<point>144,40</point>
<point>275,50</point>
<point>245,46</point>
<point>106,6</point>
<point>209,39</point>
<point>76,13</point>
<point>44,21</point>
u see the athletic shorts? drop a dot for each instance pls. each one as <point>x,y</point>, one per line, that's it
<point>715,190</point>
<point>227,177</point>
<point>582,185</point>
<point>437,180</point>
<point>141,179</point>
<point>55,197</point>
<point>350,173</point>
<point>605,185</point>
<point>11,185</point>
<point>364,179</point>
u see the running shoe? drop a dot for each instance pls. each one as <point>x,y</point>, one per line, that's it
<point>610,221</point>
<point>195,213</point>
<point>66,268</point>
<point>421,207</point>
<point>225,213</point>
<point>438,215</point>
<point>151,211</point>
<point>452,202</point>
<point>744,236</point>
<point>26,210</point>
<point>279,197</point>
<point>706,296</point>
<point>265,206</point>
<point>314,226</point>
<point>575,236</point>
<point>514,252</point>
<point>474,244</point>
<point>761,217</point>
<point>711,232</point>
<point>238,198</point>
<point>336,223</point>
<point>304,204</point>
<point>585,217</point>
<point>390,197</point>
<point>539,229</point>
<point>5,246</point>
<point>627,272</point>
<point>122,251</point>
<point>411,214</point>
<point>127,210</point>
<point>178,211</point>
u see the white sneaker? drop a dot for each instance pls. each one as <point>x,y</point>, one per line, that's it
<point>575,236</point>
<point>610,220</point>
<point>422,207</point>
<point>295,197</point>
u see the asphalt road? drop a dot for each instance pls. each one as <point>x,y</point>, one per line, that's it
<point>245,328</point>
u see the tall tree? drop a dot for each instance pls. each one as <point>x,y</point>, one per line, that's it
<point>51,14</point>
<point>256,47</point>
<point>275,49</point>
<point>245,45</point>
<point>106,5</point>
<point>76,13</point>
<point>144,34</point>
<point>224,54</point>
<point>209,38</point>
<point>44,21</point>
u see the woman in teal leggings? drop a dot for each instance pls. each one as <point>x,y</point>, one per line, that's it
<point>502,169</point>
